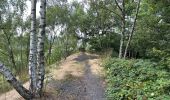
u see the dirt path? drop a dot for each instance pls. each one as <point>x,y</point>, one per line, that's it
<point>79,77</point>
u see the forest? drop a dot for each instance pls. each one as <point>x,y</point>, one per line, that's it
<point>85,49</point>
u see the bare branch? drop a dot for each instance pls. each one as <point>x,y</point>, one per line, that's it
<point>118,5</point>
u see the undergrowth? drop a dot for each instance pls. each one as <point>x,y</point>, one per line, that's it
<point>136,80</point>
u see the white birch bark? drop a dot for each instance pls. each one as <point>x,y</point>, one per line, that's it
<point>122,10</point>
<point>133,29</point>
<point>33,48</point>
<point>40,47</point>
<point>15,83</point>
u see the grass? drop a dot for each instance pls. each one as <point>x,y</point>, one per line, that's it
<point>5,86</point>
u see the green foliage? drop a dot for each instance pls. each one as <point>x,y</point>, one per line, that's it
<point>136,79</point>
<point>61,48</point>
<point>156,54</point>
<point>152,31</point>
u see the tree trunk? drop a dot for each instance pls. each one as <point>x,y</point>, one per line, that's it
<point>11,55</point>
<point>121,43</point>
<point>49,49</point>
<point>133,28</point>
<point>123,27</point>
<point>16,84</point>
<point>10,49</point>
<point>41,39</point>
<point>21,48</point>
<point>27,49</point>
<point>33,50</point>
<point>48,58</point>
<point>66,46</point>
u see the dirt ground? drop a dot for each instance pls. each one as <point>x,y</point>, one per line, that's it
<point>79,77</point>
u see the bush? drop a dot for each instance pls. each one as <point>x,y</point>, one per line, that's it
<point>136,80</point>
<point>156,54</point>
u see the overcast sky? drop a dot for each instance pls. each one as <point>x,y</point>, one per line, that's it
<point>28,11</point>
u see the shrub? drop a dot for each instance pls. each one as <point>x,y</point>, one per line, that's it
<point>136,80</point>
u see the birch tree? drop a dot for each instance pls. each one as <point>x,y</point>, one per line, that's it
<point>133,29</point>
<point>33,51</point>
<point>36,57</point>
<point>122,10</point>
<point>40,47</point>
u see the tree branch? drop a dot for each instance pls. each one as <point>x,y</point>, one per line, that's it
<point>15,83</point>
<point>112,12</point>
<point>118,6</point>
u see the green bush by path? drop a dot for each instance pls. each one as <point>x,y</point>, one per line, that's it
<point>136,80</point>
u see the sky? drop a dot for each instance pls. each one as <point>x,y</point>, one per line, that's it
<point>28,11</point>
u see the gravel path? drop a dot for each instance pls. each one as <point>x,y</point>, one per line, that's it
<point>89,85</point>
<point>79,77</point>
<point>93,85</point>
